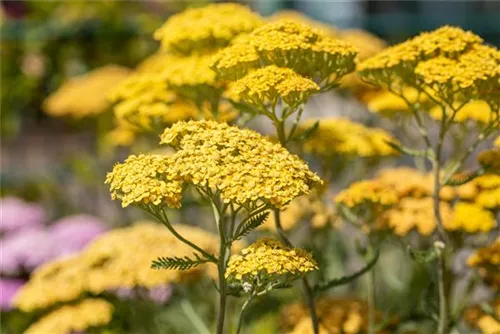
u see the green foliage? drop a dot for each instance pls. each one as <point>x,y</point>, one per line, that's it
<point>250,225</point>
<point>178,263</point>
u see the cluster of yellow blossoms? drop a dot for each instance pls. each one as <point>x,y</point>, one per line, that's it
<point>85,95</point>
<point>487,323</point>
<point>74,318</point>
<point>299,59</point>
<point>242,165</point>
<point>487,261</point>
<point>120,258</point>
<point>403,202</point>
<point>337,316</point>
<point>484,191</point>
<point>268,259</point>
<point>342,136</point>
<point>197,30</point>
<point>449,64</point>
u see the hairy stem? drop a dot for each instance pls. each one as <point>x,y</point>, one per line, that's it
<point>305,282</point>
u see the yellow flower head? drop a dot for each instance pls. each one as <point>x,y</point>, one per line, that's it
<point>85,95</point>
<point>388,104</point>
<point>296,16</point>
<point>269,83</point>
<point>496,143</point>
<point>483,321</point>
<point>304,49</point>
<point>235,61</point>
<point>487,261</point>
<point>145,179</point>
<point>471,218</point>
<point>490,159</point>
<point>187,74</point>
<point>337,316</point>
<point>266,260</point>
<point>241,164</point>
<point>415,213</point>
<point>90,312</point>
<point>121,258</point>
<point>476,110</point>
<point>367,192</point>
<point>342,136</point>
<point>395,66</point>
<point>209,27</point>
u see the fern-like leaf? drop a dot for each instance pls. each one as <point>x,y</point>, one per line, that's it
<point>251,225</point>
<point>348,278</point>
<point>411,152</point>
<point>459,179</point>
<point>178,263</point>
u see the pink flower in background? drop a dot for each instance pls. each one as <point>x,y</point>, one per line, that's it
<point>159,294</point>
<point>74,232</point>
<point>17,214</point>
<point>25,250</point>
<point>8,288</point>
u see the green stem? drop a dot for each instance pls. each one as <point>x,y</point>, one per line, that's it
<point>240,318</point>
<point>195,319</point>
<point>443,300</point>
<point>371,301</point>
<point>305,282</point>
<point>224,252</point>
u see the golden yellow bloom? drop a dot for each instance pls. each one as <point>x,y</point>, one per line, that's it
<point>90,312</point>
<point>395,66</point>
<point>367,192</point>
<point>497,142</point>
<point>145,179</point>
<point>487,261</point>
<point>415,213</point>
<point>304,49</point>
<point>235,61</point>
<point>85,95</point>
<point>489,198</point>
<point>290,215</point>
<point>241,164</point>
<point>388,103</point>
<point>487,324</point>
<point>266,260</point>
<point>337,316</point>
<point>471,218</point>
<point>209,27</point>
<point>342,136</point>
<point>477,110</point>
<point>121,258</point>
<point>269,83</point>
<point>122,135</point>
<point>490,159</point>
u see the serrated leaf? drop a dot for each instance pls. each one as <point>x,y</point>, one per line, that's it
<point>251,224</point>
<point>422,256</point>
<point>463,178</point>
<point>348,278</point>
<point>178,263</point>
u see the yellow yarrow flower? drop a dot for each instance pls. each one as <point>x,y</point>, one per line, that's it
<point>471,218</point>
<point>490,159</point>
<point>485,322</point>
<point>497,142</point>
<point>342,136</point>
<point>241,164</point>
<point>120,258</point>
<point>206,28</point>
<point>235,61</point>
<point>145,179</point>
<point>387,103</point>
<point>91,312</point>
<point>85,95</point>
<point>367,192</point>
<point>268,259</point>
<point>270,83</point>
<point>477,111</point>
<point>296,16</point>
<point>487,261</point>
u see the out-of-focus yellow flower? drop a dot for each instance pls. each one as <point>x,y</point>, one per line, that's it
<point>119,258</point>
<point>122,135</point>
<point>85,95</point>
<point>369,192</point>
<point>74,318</point>
<point>235,61</point>
<point>270,83</point>
<point>342,136</point>
<point>206,28</point>
<point>387,103</point>
<point>490,159</point>
<point>241,164</point>
<point>477,318</point>
<point>266,260</point>
<point>471,218</point>
<point>337,316</point>
<point>487,261</point>
<point>483,190</point>
<point>489,198</point>
<point>145,179</point>
<point>415,213</point>
<point>497,142</point>
<point>478,111</point>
